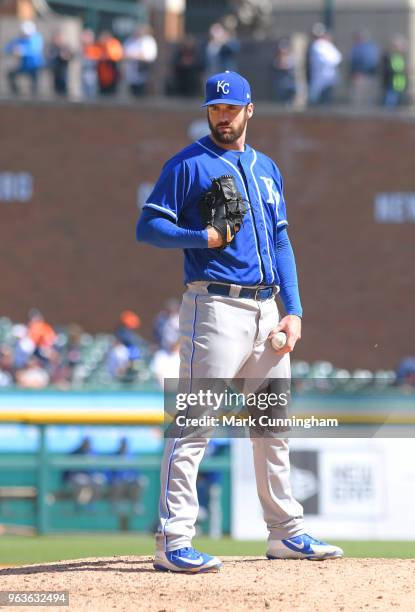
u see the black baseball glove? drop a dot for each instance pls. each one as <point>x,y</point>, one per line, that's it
<point>223,208</point>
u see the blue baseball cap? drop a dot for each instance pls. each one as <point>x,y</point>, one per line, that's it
<point>227,88</point>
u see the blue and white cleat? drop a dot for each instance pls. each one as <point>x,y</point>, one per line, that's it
<point>186,560</point>
<point>303,547</point>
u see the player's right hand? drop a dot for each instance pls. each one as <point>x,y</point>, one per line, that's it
<point>215,239</point>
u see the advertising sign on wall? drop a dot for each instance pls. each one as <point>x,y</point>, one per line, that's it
<point>349,488</point>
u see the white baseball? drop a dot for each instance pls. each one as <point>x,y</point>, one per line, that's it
<point>279,340</point>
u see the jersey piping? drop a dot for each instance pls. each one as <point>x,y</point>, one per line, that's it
<point>164,210</point>
<point>262,212</point>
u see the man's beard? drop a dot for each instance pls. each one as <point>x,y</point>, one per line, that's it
<point>231,135</point>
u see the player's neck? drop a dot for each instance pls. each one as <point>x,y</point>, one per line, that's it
<point>238,145</point>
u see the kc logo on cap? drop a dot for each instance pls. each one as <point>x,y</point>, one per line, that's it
<point>222,86</point>
<point>227,88</point>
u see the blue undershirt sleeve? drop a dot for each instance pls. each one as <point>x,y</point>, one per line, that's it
<point>288,274</point>
<point>158,230</point>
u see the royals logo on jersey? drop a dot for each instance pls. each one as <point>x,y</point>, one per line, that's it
<point>273,193</point>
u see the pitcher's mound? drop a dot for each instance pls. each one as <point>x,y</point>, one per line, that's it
<point>245,583</point>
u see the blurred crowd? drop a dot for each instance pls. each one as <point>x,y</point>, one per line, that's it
<point>36,354</point>
<point>100,60</point>
<point>372,74</point>
<point>122,487</point>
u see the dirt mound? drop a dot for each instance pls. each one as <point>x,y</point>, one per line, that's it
<point>245,583</point>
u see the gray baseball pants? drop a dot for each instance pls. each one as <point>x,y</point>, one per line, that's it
<point>226,337</point>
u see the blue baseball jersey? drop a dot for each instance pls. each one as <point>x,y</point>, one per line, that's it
<point>251,257</point>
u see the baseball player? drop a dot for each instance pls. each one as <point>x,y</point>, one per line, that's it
<point>234,264</point>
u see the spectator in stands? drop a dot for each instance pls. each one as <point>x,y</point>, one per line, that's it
<point>24,346</point>
<point>32,375</point>
<point>72,355</point>
<point>222,50</point>
<point>64,361</point>
<point>395,72</point>
<point>41,334</point>
<point>6,366</point>
<point>166,363</point>
<point>140,53</point>
<point>90,54</point>
<point>405,372</point>
<point>59,371</point>
<point>187,69</point>
<point>118,360</point>
<point>126,333</point>
<point>126,485</point>
<point>166,324</point>
<point>284,72</point>
<point>108,65</point>
<point>59,56</point>
<point>87,486</point>
<point>28,50</point>
<point>364,66</point>
<point>324,61</point>
<point>123,360</point>
<point>307,67</point>
<point>5,379</point>
<point>316,31</point>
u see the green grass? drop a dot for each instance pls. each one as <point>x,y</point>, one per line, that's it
<point>15,550</point>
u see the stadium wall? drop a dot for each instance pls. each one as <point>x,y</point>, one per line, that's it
<point>72,178</point>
